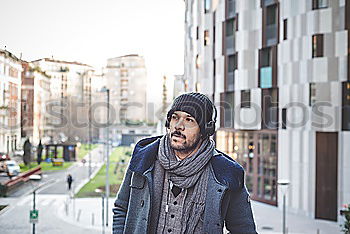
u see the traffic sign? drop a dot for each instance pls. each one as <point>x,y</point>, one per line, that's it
<point>33,216</point>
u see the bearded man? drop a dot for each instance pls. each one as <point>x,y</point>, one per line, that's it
<point>179,182</point>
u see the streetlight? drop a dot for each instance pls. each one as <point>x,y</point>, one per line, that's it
<point>104,89</point>
<point>284,187</point>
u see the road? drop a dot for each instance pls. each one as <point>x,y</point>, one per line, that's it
<point>53,201</point>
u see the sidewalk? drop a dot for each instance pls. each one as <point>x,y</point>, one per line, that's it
<point>269,221</point>
<point>87,212</point>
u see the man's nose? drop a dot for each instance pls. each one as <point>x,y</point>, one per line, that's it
<point>180,125</point>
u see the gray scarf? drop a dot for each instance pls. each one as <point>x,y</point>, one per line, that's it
<point>192,171</point>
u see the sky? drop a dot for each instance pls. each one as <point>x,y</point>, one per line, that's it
<point>91,31</point>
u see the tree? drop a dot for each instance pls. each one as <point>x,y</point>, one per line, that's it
<point>27,148</point>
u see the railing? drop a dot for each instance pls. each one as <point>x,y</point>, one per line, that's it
<point>11,184</point>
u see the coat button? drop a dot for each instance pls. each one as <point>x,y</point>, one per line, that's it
<point>219,190</point>
<point>142,203</point>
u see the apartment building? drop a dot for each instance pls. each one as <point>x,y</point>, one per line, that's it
<point>127,80</point>
<point>35,95</point>
<point>10,105</point>
<point>278,71</point>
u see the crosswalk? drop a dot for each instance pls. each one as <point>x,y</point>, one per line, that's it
<point>42,201</point>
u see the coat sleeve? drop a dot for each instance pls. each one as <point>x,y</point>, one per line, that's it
<point>239,217</point>
<point>121,205</point>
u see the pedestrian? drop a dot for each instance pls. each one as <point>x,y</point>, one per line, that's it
<point>69,181</point>
<point>179,182</point>
<point>39,152</point>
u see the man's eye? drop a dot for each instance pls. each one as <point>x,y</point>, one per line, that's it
<point>190,120</point>
<point>173,117</point>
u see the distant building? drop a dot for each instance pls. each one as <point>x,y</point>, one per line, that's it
<point>127,81</point>
<point>180,85</point>
<point>280,76</point>
<point>10,104</point>
<point>70,90</point>
<point>35,122</point>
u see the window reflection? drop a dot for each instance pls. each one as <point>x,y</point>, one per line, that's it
<point>257,153</point>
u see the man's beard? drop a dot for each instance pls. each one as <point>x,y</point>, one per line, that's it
<point>184,148</point>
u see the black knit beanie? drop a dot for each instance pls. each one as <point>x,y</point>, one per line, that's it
<point>197,105</point>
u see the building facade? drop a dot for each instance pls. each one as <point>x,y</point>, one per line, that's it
<point>278,71</point>
<point>10,104</point>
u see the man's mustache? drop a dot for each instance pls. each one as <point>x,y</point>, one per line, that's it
<point>178,134</point>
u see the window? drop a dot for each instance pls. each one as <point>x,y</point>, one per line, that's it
<point>284,118</point>
<point>271,15</point>
<point>227,108</point>
<point>198,61</point>
<point>346,106</point>
<point>197,33</point>
<point>269,108</point>
<point>285,29</point>
<point>265,56</point>
<point>319,4</point>
<point>214,68</point>
<point>229,27</point>
<point>317,45</point>
<point>230,75</point>
<point>207,6</point>
<point>232,63</point>
<point>231,8</point>
<point>270,28</point>
<point>312,94</point>
<point>245,99</point>
<point>266,70</point>
<point>206,38</point>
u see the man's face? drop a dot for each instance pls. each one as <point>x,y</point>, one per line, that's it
<point>184,132</point>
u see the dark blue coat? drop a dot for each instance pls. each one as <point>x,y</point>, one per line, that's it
<point>227,201</point>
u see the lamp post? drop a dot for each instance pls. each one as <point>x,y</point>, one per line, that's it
<point>104,89</point>
<point>89,127</point>
<point>284,187</point>
<point>102,196</point>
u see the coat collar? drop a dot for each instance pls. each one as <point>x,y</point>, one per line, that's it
<point>226,170</point>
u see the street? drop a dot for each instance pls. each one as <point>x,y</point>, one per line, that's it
<point>55,204</point>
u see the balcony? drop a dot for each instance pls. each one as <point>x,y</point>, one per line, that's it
<point>265,77</point>
<point>230,44</point>
<point>271,34</point>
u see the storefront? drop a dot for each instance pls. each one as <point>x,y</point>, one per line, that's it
<point>256,151</point>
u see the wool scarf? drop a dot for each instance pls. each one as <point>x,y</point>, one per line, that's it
<point>190,172</point>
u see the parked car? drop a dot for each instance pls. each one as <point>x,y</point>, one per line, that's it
<point>4,156</point>
<point>12,168</point>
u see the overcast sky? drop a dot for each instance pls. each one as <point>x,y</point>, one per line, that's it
<point>91,31</point>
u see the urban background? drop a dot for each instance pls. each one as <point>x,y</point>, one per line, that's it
<point>278,72</point>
